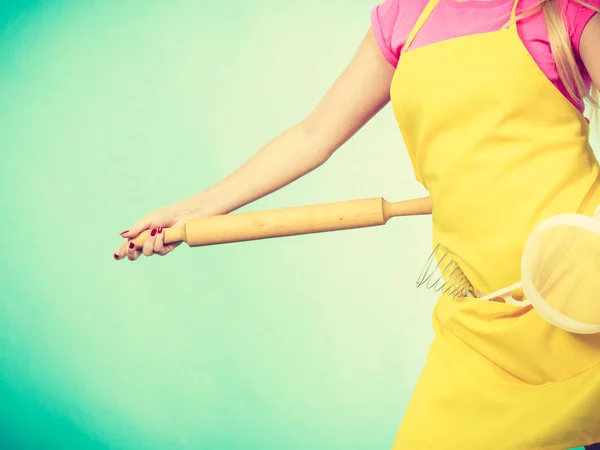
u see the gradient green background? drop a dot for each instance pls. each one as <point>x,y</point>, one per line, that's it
<point>111,109</point>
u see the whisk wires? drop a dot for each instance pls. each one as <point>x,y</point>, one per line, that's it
<point>443,274</point>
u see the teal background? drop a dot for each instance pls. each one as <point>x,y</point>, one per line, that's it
<point>109,110</point>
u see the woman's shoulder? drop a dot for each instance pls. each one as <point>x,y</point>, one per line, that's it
<point>578,10</point>
<point>577,14</point>
<point>391,21</point>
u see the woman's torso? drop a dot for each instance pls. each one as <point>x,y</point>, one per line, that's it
<point>497,145</point>
<point>499,149</point>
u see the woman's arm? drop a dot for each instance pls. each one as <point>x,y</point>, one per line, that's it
<point>353,99</point>
<point>589,49</point>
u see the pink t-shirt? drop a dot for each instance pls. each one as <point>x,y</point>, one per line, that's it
<point>393,20</point>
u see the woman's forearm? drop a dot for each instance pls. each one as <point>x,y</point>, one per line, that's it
<point>286,158</point>
<point>352,100</point>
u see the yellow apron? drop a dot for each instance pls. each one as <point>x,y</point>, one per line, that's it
<point>499,149</point>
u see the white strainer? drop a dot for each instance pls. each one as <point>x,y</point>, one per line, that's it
<point>560,273</point>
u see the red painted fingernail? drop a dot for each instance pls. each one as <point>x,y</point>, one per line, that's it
<point>153,232</point>
<point>160,229</point>
<point>116,256</point>
<point>131,245</point>
<point>126,231</point>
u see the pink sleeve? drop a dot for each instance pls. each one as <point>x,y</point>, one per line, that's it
<point>577,17</point>
<point>383,22</point>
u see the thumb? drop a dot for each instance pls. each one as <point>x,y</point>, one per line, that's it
<point>136,229</point>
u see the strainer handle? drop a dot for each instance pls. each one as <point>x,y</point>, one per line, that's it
<point>505,294</point>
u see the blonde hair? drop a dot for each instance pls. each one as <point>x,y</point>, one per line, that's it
<point>562,52</point>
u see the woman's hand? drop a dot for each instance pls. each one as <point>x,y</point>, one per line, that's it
<point>167,217</point>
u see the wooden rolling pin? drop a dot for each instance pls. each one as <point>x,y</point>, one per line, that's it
<point>249,226</point>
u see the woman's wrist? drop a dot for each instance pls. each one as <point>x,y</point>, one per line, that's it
<point>199,205</point>
<point>189,208</point>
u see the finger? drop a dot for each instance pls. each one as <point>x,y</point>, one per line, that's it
<point>160,247</point>
<point>159,242</point>
<point>122,251</point>
<point>148,248</point>
<point>137,228</point>
<point>132,252</point>
<point>170,247</point>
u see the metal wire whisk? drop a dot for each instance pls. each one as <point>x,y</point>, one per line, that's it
<point>442,274</point>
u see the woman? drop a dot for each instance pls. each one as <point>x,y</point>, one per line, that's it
<point>489,98</point>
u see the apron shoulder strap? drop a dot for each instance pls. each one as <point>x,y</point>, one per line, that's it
<point>431,4</point>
